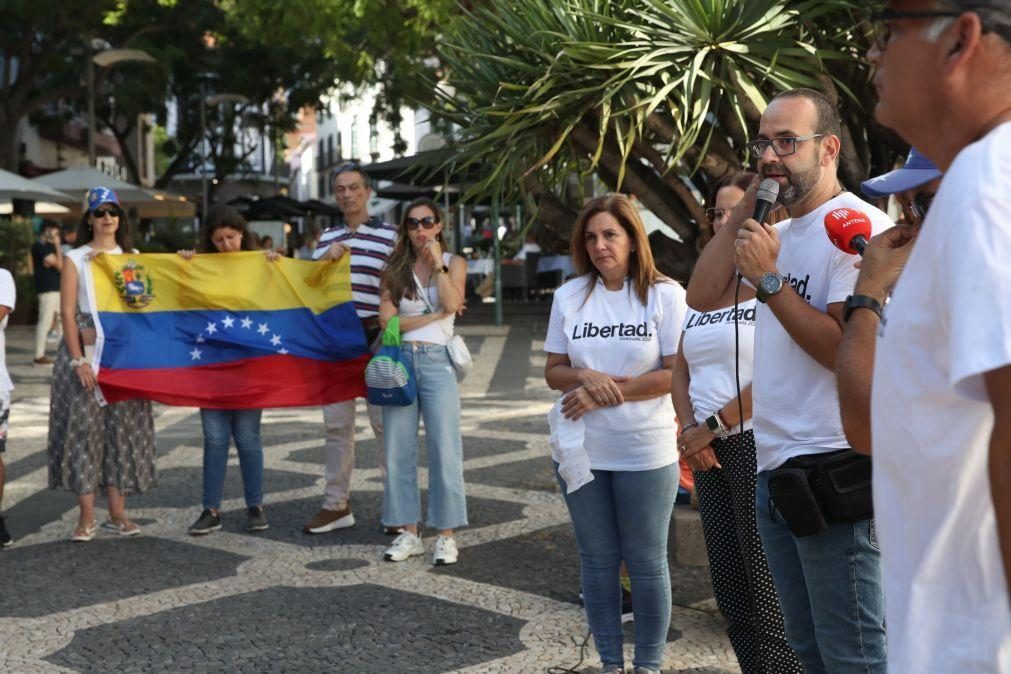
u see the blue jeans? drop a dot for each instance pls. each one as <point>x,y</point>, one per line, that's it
<point>438,403</point>
<point>830,590</point>
<point>625,515</point>
<point>220,426</point>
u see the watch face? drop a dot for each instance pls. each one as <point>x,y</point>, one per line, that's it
<point>712,425</point>
<point>771,283</point>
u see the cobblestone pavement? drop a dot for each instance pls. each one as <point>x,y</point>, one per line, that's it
<point>281,601</point>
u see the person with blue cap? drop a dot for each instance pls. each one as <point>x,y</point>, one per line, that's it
<point>913,186</point>
<point>94,448</point>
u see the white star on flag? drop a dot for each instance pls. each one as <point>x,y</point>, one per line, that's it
<point>247,322</point>
<point>228,321</point>
<point>283,351</point>
<point>275,340</point>
<point>195,354</point>
<point>211,328</point>
<point>263,329</point>
<point>200,339</point>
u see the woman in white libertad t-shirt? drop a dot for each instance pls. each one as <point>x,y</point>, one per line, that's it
<point>611,343</point>
<point>714,357</point>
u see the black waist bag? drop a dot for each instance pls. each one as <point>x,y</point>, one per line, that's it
<point>811,492</point>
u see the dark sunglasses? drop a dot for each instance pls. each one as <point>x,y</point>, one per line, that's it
<point>428,222</point>
<point>102,212</point>
<point>921,204</point>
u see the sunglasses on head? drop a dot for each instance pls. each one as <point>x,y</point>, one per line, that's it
<point>102,212</point>
<point>428,222</point>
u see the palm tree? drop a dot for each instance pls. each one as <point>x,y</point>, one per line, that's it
<point>652,97</point>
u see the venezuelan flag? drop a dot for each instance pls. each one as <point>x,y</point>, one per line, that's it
<point>226,330</point>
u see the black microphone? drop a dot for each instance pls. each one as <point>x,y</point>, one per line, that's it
<point>765,199</point>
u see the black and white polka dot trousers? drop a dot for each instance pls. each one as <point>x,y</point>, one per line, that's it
<point>743,586</point>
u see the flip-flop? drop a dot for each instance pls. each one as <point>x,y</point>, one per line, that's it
<point>126,528</point>
<point>84,535</point>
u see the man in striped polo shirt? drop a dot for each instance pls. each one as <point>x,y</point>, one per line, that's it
<point>370,242</point>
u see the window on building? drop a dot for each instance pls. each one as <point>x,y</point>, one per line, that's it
<point>321,185</point>
<point>329,150</point>
<point>320,157</point>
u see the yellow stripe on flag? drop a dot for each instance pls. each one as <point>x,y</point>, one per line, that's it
<point>244,281</point>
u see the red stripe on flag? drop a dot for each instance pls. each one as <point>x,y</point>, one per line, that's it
<point>268,381</point>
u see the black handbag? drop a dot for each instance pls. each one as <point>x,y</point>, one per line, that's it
<point>810,492</point>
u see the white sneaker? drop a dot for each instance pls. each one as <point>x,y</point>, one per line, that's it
<point>445,551</point>
<point>405,545</point>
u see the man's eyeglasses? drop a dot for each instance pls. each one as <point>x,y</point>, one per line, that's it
<point>102,212</point>
<point>921,204</point>
<point>714,214</point>
<point>782,146</point>
<point>428,222</point>
<point>881,23</point>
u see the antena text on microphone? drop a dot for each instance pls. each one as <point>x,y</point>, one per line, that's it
<point>848,229</point>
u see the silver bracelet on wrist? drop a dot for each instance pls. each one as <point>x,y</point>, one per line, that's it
<point>78,362</point>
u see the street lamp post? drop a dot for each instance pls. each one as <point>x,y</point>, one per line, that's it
<point>205,100</point>
<point>104,59</point>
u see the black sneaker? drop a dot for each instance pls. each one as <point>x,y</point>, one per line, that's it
<point>209,521</point>
<point>5,538</point>
<point>256,519</point>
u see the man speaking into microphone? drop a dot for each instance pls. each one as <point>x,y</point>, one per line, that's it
<point>827,572</point>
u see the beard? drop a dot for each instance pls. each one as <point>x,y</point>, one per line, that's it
<point>800,182</point>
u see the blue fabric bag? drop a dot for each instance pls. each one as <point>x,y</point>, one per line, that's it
<point>388,379</point>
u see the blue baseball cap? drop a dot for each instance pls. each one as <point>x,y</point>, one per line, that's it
<point>97,196</point>
<point>916,171</point>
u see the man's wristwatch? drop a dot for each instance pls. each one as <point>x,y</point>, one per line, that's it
<point>854,302</point>
<point>716,425</point>
<point>770,284</point>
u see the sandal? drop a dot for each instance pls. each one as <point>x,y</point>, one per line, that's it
<point>84,534</point>
<point>124,527</point>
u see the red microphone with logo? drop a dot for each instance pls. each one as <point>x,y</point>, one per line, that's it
<point>848,229</point>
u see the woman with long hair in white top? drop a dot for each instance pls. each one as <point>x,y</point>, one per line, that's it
<point>423,284</point>
<point>611,342</point>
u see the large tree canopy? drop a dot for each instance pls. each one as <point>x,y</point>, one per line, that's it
<point>653,97</point>
<point>280,56</point>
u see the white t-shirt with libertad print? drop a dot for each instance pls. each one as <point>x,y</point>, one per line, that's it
<point>7,299</point>
<point>614,333</point>
<point>948,324</point>
<point>796,404</point>
<point>710,346</point>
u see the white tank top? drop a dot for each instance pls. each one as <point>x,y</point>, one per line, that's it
<point>437,332</point>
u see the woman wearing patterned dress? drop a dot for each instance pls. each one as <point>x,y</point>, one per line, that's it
<point>704,389</point>
<point>91,447</point>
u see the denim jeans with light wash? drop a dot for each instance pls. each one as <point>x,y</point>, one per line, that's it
<point>220,426</point>
<point>830,590</point>
<point>625,515</point>
<point>438,403</point>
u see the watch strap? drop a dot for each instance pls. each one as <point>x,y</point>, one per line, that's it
<point>854,302</point>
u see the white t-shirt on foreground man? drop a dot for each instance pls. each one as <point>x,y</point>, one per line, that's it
<point>948,323</point>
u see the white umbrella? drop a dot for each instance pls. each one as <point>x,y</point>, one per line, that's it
<point>77,181</point>
<point>13,186</point>
<point>149,203</point>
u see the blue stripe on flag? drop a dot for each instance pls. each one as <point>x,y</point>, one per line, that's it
<point>184,338</point>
